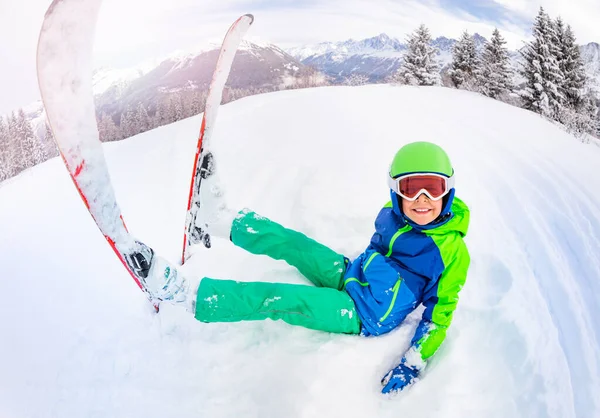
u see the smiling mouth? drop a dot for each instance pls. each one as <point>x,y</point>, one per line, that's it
<point>422,211</point>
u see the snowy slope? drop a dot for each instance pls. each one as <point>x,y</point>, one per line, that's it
<point>79,339</point>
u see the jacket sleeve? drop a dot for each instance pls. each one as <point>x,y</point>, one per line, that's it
<point>440,302</point>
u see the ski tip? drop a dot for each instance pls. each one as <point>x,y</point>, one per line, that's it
<point>251,16</point>
<point>50,9</point>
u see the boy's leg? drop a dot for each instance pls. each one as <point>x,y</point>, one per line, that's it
<point>311,307</point>
<point>318,263</point>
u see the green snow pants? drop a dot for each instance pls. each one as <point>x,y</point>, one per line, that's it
<point>326,307</point>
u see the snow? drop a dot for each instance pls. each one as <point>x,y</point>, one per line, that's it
<point>80,339</point>
<point>303,52</point>
<point>104,78</point>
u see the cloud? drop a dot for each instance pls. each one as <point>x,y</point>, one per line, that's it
<point>582,15</point>
<point>132,31</point>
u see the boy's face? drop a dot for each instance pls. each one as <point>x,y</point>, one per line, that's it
<point>423,210</point>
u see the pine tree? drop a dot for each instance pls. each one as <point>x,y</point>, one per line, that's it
<point>142,120</point>
<point>177,104</point>
<point>107,129</point>
<point>495,76</point>
<point>592,114</point>
<point>16,161</point>
<point>356,80</point>
<point>169,114</point>
<point>572,68</point>
<point>578,111</point>
<point>198,102</point>
<point>51,149</point>
<point>127,125</point>
<point>32,150</point>
<point>587,115</point>
<point>557,39</point>
<point>541,71</point>
<point>5,169</point>
<point>464,62</point>
<point>419,66</point>
<point>161,113</point>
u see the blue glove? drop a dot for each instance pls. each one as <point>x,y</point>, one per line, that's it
<point>398,378</point>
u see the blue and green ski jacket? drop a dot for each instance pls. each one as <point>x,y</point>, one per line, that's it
<point>405,265</point>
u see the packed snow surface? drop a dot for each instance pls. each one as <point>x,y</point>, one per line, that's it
<point>79,339</point>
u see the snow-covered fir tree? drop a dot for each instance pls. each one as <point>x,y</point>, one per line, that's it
<point>142,120</point>
<point>584,119</point>
<point>356,80</point>
<point>177,104</point>
<point>16,161</point>
<point>50,147</point>
<point>494,77</point>
<point>127,125</point>
<point>107,128</point>
<point>32,151</point>
<point>578,110</point>
<point>420,66</point>
<point>557,36</point>
<point>5,170</point>
<point>464,62</point>
<point>571,66</point>
<point>160,115</point>
<point>198,102</point>
<point>543,77</point>
<point>169,113</point>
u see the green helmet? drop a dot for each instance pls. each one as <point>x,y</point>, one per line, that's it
<point>421,157</point>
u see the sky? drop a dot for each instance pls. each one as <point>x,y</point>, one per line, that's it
<point>130,32</point>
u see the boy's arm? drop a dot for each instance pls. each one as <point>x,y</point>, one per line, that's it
<point>440,303</point>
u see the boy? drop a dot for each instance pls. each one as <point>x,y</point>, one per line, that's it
<point>416,255</point>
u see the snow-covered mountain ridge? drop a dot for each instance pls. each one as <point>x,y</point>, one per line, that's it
<point>380,56</point>
<point>256,66</point>
<point>376,57</point>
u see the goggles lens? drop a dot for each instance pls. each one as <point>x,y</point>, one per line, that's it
<point>411,186</point>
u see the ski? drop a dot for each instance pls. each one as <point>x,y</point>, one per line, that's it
<point>204,168</point>
<point>64,70</point>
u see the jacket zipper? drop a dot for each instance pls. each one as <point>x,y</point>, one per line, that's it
<point>395,236</point>
<point>369,261</point>
<point>395,289</point>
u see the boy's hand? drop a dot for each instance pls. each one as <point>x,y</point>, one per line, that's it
<point>399,378</point>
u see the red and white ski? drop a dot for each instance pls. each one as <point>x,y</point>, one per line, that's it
<point>195,229</point>
<point>64,69</point>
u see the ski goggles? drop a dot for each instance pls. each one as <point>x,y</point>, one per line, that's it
<point>411,186</point>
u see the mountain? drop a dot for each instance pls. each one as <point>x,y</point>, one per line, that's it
<point>591,57</point>
<point>376,57</point>
<point>377,44</point>
<point>81,339</point>
<point>380,56</point>
<point>254,67</point>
